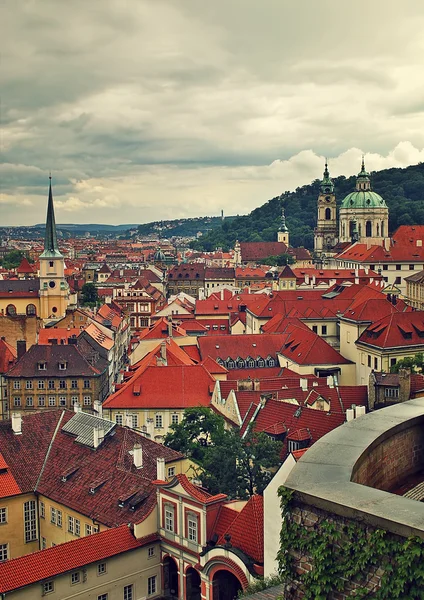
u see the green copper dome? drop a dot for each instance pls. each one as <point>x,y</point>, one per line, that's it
<point>363,199</point>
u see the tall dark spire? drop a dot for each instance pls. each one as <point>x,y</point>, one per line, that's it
<point>326,185</point>
<point>51,249</point>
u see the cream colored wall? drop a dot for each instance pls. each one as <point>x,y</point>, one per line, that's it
<point>272,516</point>
<point>133,567</point>
<point>12,532</point>
<point>332,335</point>
<point>227,407</point>
<point>146,415</point>
<point>346,377</point>
<point>20,304</point>
<point>146,346</point>
<point>59,535</point>
<point>383,361</point>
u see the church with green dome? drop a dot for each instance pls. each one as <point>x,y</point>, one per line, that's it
<point>363,215</point>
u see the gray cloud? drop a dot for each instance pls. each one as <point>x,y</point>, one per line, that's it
<point>145,110</point>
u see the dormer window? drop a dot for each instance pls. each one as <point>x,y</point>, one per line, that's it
<point>42,366</point>
<point>62,366</point>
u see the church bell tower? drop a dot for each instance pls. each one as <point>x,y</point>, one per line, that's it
<point>325,237</point>
<point>54,289</point>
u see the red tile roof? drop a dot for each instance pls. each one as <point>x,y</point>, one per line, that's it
<point>45,564</point>
<point>225,518</point>
<point>60,334</point>
<point>247,529</point>
<point>43,454</point>
<point>160,330</point>
<point>7,356</point>
<point>8,484</point>
<point>25,266</point>
<point>197,492</point>
<point>256,251</point>
<point>396,330</point>
<point>180,386</point>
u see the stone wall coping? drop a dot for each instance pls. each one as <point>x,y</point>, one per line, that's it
<point>322,476</point>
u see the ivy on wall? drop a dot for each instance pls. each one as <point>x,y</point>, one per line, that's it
<point>346,555</point>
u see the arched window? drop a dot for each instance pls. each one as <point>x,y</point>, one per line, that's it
<point>31,310</point>
<point>327,214</point>
<point>240,363</point>
<point>11,310</point>
<point>368,229</point>
<point>377,231</point>
<point>250,362</point>
<point>270,361</point>
<point>230,364</point>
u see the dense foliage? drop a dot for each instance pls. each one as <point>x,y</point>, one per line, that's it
<point>402,189</point>
<point>414,363</point>
<point>12,259</point>
<point>342,555</point>
<point>227,463</point>
<point>89,295</point>
<point>181,227</point>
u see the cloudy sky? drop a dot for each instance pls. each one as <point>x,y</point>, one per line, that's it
<point>150,109</point>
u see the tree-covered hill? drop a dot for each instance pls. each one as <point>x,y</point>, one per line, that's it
<point>402,189</point>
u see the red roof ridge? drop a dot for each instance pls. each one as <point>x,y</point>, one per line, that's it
<point>197,492</point>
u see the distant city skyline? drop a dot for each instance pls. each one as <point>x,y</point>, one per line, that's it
<point>146,111</point>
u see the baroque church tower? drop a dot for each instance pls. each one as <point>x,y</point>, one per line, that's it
<point>325,237</point>
<point>364,215</point>
<point>54,289</point>
<point>283,232</point>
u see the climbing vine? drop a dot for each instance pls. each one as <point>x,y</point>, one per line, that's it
<point>346,556</point>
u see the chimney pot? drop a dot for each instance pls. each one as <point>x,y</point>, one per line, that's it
<point>350,414</point>
<point>17,423</point>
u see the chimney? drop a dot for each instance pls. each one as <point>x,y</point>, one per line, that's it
<point>170,327</point>
<point>98,435</point>
<point>303,383</point>
<point>330,381</point>
<point>98,407</point>
<point>77,407</point>
<point>350,414</point>
<point>160,469</point>
<point>21,348</point>
<point>138,456</point>
<point>360,410</point>
<point>163,353</point>
<point>17,423</point>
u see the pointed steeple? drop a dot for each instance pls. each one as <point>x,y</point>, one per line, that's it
<point>283,226</point>
<point>363,181</point>
<point>326,185</point>
<point>51,249</point>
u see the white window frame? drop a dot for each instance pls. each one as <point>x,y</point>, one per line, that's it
<point>158,422</point>
<point>3,515</point>
<point>151,585</point>
<point>129,592</point>
<point>52,400</point>
<point>75,577</point>
<point>87,400</point>
<point>150,552</point>
<point>169,519</point>
<point>192,528</point>
<point>101,568</point>
<point>4,552</point>
<point>171,471</point>
<point>41,401</point>
<point>30,521</point>
<point>42,510</point>
<point>175,419</point>
<point>53,515</point>
<point>71,524</point>
<point>48,587</point>
<point>119,419</point>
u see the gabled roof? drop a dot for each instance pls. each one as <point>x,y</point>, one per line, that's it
<point>255,251</point>
<point>52,356</point>
<point>7,356</point>
<point>180,386</point>
<point>25,266</point>
<point>58,335</point>
<point>8,484</point>
<point>247,529</point>
<point>45,564</point>
<point>46,458</point>
<point>160,330</point>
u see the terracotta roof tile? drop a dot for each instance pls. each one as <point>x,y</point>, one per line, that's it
<point>38,566</point>
<point>247,529</point>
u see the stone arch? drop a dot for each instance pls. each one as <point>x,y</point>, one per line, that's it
<point>11,310</point>
<point>328,214</point>
<point>193,584</point>
<point>170,577</point>
<point>31,310</point>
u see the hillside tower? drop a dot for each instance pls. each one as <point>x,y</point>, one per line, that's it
<point>325,235</point>
<point>366,210</point>
<point>54,289</point>
<point>283,232</point>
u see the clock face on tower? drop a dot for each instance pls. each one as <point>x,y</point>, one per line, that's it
<point>52,284</point>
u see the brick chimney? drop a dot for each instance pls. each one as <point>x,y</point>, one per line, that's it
<point>21,348</point>
<point>98,435</point>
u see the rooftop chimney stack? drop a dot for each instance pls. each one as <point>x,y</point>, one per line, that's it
<point>17,423</point>
<point>170,327</point>
<point>98,435</point>
<point>21,348</point>
<point>138,456</point>
<point>304,383</point>
<point>360,410</point>
<point>163,352</point>
<point>350,414</point>
<point>98,408</point>
<point>160,469</point>
<point>77,407</point>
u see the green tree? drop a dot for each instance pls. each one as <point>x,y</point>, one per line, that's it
<point>89,294</point>
<point>226,462</point>
<point>13,259</point>
<point>415,363</point>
